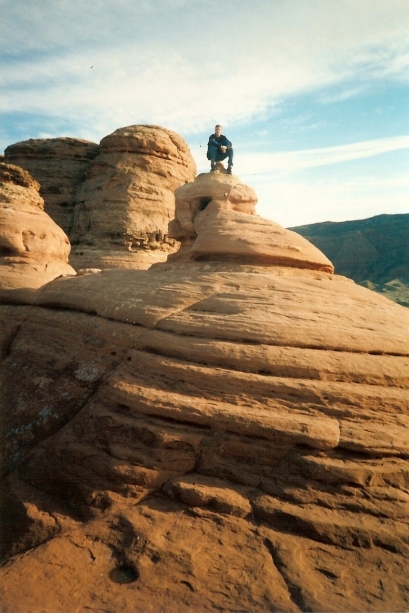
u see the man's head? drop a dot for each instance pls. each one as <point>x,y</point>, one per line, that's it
<point>218,130</point>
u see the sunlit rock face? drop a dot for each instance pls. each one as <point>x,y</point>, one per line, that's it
<point>217,213</point>
<point>227,430</point>
<point>33,249</point>
<point>59,165</point>
<point>124,207</point>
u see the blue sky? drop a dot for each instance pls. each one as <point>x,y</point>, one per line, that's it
<point>314,94</point>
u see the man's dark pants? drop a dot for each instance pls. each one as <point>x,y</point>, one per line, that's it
<point>217,156</point>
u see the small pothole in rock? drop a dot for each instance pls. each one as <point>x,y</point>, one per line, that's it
<point>124,574</point>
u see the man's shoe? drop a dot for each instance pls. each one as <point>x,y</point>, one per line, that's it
<point>229,172</point>
<point>212,168</point>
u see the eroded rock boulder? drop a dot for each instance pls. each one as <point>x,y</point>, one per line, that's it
<point>217,434</point>
<point>59,165</point>
<point>33,249</point>
<point>124,207</point>
<point>215,219</point>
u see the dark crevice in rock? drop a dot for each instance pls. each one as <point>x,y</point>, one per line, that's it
<point>348,538</point>
<point>257,343</point>
<point>57,307</point>
<point>294,590</point>
<point>8,343</point>
<point>20,533</point>
<point>372,454</point>
<point>170,420</point>
<point>259,260</point>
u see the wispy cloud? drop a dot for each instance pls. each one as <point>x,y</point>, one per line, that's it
<point>178,64</point>
<point>289,162</point>
<point>291,196</point>
<point>187,64</point>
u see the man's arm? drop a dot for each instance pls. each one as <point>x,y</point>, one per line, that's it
<point>223,142</point>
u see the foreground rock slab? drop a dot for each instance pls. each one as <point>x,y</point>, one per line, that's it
<point>208,434</point>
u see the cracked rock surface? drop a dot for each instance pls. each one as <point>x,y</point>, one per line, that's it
<point>206,435</point>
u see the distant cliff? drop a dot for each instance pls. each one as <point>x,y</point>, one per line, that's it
<point>373,252</point>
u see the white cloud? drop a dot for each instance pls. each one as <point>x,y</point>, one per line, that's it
<point>292,161</point>
<point>290,197</point>
<point>288,162</point>
<point>295,202</point>
<point>183,65</point>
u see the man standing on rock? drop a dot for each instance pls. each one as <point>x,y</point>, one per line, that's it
<point>219,148</point>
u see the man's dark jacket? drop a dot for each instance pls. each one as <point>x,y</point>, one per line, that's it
<point>215,142</point>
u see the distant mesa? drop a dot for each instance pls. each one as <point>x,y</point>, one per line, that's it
<point>374,252</point>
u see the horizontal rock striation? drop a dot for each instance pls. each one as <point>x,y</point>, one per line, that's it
<point>207,435</point>
<point>215,217</point>
<point>124,207</point>
<point>59,165</point>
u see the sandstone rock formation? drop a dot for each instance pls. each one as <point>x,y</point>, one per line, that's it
<point>216,211</point>
<point>59,165</point>
<point>115,200</point>
<point>33,249</point>
<point>127,201</point>
<point>207,434</point>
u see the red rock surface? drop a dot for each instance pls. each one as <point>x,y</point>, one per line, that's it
<point>216,212</point>
<point>33,249</point>
<point>59,165</point>
<point>124,207</point>
<point>206,436</point>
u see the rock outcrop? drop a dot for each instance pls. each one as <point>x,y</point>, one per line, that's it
<point>33,249</point>
<point>215,216</point>
<point>127,201</point>
<point>59,165</point>
<point>207,434</point>
<point>113,200</point>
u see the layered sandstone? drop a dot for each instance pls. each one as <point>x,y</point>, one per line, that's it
<point>33,249</point>
<point>59,165</point>
<point>217,213</point>
<point>207,434</point>
<point>127,201</point>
